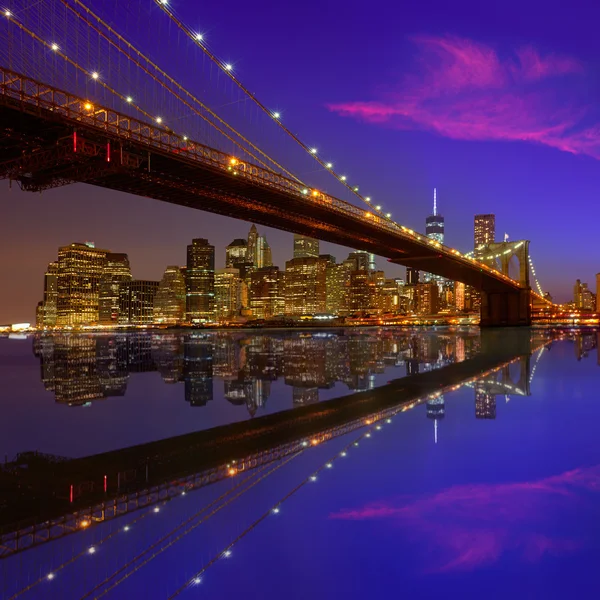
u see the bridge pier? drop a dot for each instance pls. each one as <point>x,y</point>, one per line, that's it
<point>506,308</point>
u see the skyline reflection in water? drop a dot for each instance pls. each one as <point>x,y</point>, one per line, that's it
<point>501,497</point>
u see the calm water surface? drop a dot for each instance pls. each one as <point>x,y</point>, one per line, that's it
<point>491,488</point>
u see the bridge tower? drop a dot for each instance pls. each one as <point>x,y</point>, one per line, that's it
<point>502,307</point>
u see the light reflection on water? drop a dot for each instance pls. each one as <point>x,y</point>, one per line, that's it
<point>492,486</point>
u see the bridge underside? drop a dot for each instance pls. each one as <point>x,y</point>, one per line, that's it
<point>42,149</point>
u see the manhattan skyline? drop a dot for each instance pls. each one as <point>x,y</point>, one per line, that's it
<point>536,170</point>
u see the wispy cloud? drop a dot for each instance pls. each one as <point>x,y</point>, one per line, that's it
<point>465,90</point>
<point>470,526</point>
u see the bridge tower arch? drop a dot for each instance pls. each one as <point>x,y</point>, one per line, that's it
<point>506,307</point>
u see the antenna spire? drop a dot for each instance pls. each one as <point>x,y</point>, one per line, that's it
<point>434,202</point>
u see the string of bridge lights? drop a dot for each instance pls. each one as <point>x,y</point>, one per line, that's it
<point>227,68</point>
<point>275,509</point>
<point>258,476</point>
<point>171,80</point>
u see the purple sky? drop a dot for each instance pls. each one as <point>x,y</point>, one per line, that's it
<point>494,104</point>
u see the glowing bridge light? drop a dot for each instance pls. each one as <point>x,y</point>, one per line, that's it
<point>388,215</point>
<point>313,150</point>
<point>92,550</point>
<point>129,99</point>
<point>54,47</point>
<point>199,37</point>
<point>233,161</point>
<point>7,14</point>
<point>329,465</point>
<point>95,75</point>
<point>356,189</point>
<point>126,528</point>
<point>232,471</point>
<point>329,165</point>
<point>378,207</point>
<point>275,510</point>
<point>315,193</point>
<point>313,478</point>
<point>185,137</point>
<point>343,178</point>
<point>227,553</point>
<point>367,199</point>
<point>159,120</point>
<point>85,523</point>
<point>276,115</point>
<point>228,67</point>
<point>50,576</point>
<point>305,191</point>
<point>197,580</point>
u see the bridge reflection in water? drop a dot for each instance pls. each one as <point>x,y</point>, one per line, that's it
<point>76,494</point>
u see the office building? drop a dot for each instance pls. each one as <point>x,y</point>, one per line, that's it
<point>263,254</point>
<point>434,229</point>
<point>427,298</point>
<point>305,247</point>
<point>136,302</point>
<point>227,294</point>
<point>46,316</point>
<point>116,272</point>
<point>484,230</point>
<point>305,285</point>
<point>200,281</point>
<point>236,253</point>
<point>265,292</point>
<point>169,302</point>
<point>337,283</point>
<point>583,298</point>
<point>459,296</point>
<point>251,245</point>
<point>80,271</point>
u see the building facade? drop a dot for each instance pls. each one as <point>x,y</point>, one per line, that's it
<point>305,285</point>
<point>265,292</point>
<point>169,302</point>
<point>81,268</point>
<point>136,302</point>
<point>116,272</point>
<point>305,247</point>
<point>227,294</point>
<point>484,230</point>
<point>200,281</point>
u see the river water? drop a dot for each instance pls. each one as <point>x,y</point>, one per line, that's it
<point>486,485</point>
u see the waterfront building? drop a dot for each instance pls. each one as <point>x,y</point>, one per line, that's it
<point>484,230</point>
<point>169,302</point>
<point>116,272</point>
<point>80,270</point>
<point>200,281</point>
<point>136,302</point>
<point>305,286</point>
<point>227,293</point>
<point>365,291</point>
<point>305,247</point>
<point>583,297</point>
<point>337,283</point>
<point>265,292</point>
<point>434,229</point>
<point>459,296</point>
<point>46,314</point>
<point>427,298</point>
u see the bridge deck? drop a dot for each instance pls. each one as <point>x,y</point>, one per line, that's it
<point>49,137</point>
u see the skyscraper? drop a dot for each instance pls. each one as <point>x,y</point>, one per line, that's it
<point>305,285</point>
<point>434,223</point>
<point>80,270</point>
<point>485,230</point>
<point>305,247</point>
<point>337,282</point>
<point>434,229</point>
<point>252,243</point>
<point>136,302</point>
<point>236,253</point>
<point>265,292</point>
<point>200,281</point>
<point>227,293</point>
<point>47,316</point>
<point>116,272</point>
<point>263,256</point>
<point>169,302</point>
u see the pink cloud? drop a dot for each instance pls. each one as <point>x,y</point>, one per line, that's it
<point>464,90</point>
<point>470,526</point>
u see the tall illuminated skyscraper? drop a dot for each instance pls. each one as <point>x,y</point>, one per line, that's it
<point>47,314</point>
<point>227,293</point>
<point>200,281</point>
<point>169,302</point>
<point>116,272</point>
<point>434,223</point>
<point>305,289</point>
<point>484,230</point>
<point>81,268</point>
